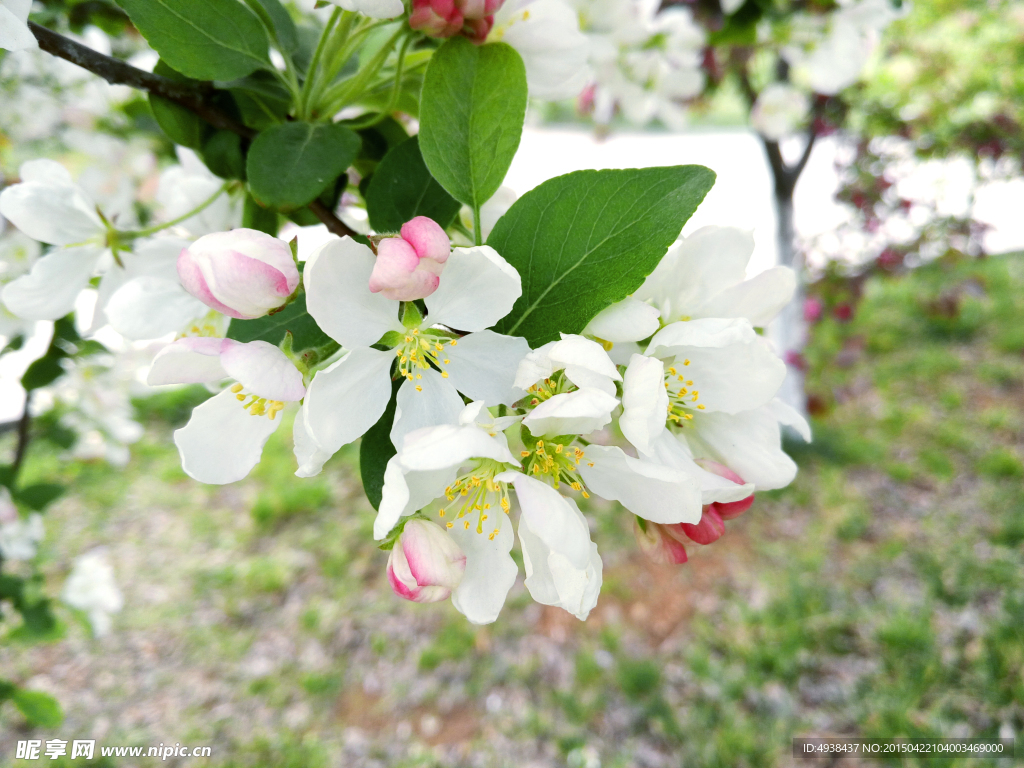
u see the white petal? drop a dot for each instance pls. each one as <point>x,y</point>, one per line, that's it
<point>347,398</point>
<point>788,415</point>
<point>436,403</point>
<point>490,571</point>
<point>43,170</point>
<point>673,452</point>
<point>644,401</point>
<point>652,491</point>
<point>263,369</point>
<point>14,33</point>
<point>477,289</point>
<point>535,366</point>
<point>626,320</point>
<point>308,453</point>
<point>553,580</point>
<point>337,280</point>
<point>483,366</point>
<point>571,413</point>
<point>56,214</point>
<point>222,442</point>
<point>554,519</point>
<point>748,443</point>
<point>444,446</point>
<point>758,299</point>
<point>708,332</point>
<point>579,352</point>
<point>150,307</point>
<point>405,492</point>
<point>188,361</point>
<point>50,289</point>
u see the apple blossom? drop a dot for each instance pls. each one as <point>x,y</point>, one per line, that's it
<point>779,110</point>
<point>425,564</point>
<point>446,18</point>
<point>243,273</point>
<point>14,32</point>
<point>658,543</point>
<point>91,587</point>
<point>345,399</point>
<point>409,267</point>
<point>224,438</point>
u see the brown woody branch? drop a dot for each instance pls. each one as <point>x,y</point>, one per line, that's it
<point>192,97</point>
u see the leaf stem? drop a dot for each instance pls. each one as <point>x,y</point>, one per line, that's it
<point>314,63</point>
<point>133,234</point>
<point>478,235</point>
<point>352,88</point>
<point>393,101</point>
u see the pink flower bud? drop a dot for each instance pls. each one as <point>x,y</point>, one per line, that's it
<point>409,267</point>
<point>242,273</point>
<point>730,509</point>
<point>709,529</point>
<point>436,18</point>
<point>658,543</point>
<point>425,564</point>
<point>478,29</point>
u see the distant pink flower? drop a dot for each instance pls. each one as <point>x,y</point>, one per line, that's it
<point>409,267</point>
<point>425,564</point>
<point>243,273</point>
<point>812,309</point>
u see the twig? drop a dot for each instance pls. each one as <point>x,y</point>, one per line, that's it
<point>191,97</point>
<point>24,423</point>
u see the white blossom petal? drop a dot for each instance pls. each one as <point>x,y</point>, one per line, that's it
<point>644,401</point>
<point>791,417</point>
<point>406,492</point>
<point>478,288</point>
<point>535,366</point>
<point>748,443</point>
<point>50,289</point>
<point>14,32</point>
<point>448,445</point>
<point>672,451</point>
<point>149,307</point>
<point>222,441</point>
<point>654,492</point>
<point>263,370</point>
<point>490,571</point>
<point>348,397</point>
<point>308,453</point>
<point>483,366</point>
<point>626,320</point>
<point>191,360</point>
<point>436,403</point>
<point>337,280</point>
<point>580,412</point>
<point>758,299</point>
<point>59,214</point>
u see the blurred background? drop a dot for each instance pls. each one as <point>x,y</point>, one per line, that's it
<point>880,595</point>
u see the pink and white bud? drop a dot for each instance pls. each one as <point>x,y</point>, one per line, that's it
<point>436,18</point>
<point>243,273</point>
<point>425,564</point>
<point>409,267</point>
<point>477,30</point>
<point>727,510</point>
<point>658,543</point>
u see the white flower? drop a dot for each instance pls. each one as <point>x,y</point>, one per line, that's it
<point>779,110</point>
<point>477,289</point>
<point>224,439</point>
<point>19,537</point>
<point>183,188</point>
<point>703,276</point>
<point>91,587</point>
<point>18,252</point>
<point>546,33</point>
<point>14,32</point>
<point>581,401</point>
<point>49,207</point>
<point>375,9</point>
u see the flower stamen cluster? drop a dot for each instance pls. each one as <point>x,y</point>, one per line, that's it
<point>423,350</point>
<point>257,406</point>
<point>476,492</point>
<point>560,465</point>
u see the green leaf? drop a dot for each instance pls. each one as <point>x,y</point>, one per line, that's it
<point>290,164</point>
<point>40,495</point>
<point>223,155</point>
<point>402,188</point>
<point>204,39</point>
<point>306,334</point>
<point>45,370</point>
<point>471,116</point>
<point>7,689</point>
<point>284,27</point>
<point>588,239</point>
<point>39,708</point>
<point>376,449</point>
<point>255,216</point>
<point>182,126</point>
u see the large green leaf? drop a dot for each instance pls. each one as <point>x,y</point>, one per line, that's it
<point>471,116</point>
<point>402,188</point>
<point>204,39</point>
<point>588,239</point>
<point>290,164</point>
<point>306,334</point>
<point>182,126</point>
<point>284,27</point>
<point>376,450</point>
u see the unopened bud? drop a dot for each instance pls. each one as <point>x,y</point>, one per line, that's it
<point>709,529</point>
<point>425,564</point>
<point>409,267</point>
<point>242,273</point>
<point>447,18</point>
<point>658,544</point>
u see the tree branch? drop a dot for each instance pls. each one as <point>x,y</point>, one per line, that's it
<point>24,423</point>
<point>189,96</point>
